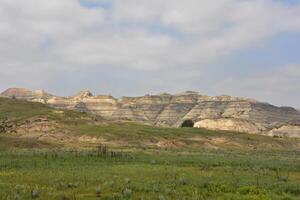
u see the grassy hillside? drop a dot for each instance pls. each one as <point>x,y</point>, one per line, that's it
<point>132,133</point>
<point>70,128</point>
<point>21,109</point>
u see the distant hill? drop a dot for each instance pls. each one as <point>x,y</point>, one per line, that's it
<point>166,110</point>
<point>26,124</point>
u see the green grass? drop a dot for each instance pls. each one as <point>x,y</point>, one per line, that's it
<point>138,135</point>
<point>146,175</point>
<point>21,109</point>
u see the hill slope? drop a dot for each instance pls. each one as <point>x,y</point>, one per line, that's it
<point>31,124</point>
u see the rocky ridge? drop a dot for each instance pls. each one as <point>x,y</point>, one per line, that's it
<point>217,113</point>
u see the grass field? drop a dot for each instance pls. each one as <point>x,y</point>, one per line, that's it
<point>150,174</point>
<point>137,161</point>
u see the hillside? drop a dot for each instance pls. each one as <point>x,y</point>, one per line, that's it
<point>31,124</point>
<point>165,110</point>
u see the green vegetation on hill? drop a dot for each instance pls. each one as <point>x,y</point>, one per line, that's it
<point>132,132</point>
<point>10,108</point>
<point>72,124</point>
<point>22,110</point>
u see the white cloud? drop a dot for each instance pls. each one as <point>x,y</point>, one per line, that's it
<point>276,86</point>
<point>160,35</point>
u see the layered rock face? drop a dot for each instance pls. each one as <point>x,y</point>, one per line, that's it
<point>221,112</point>
<point>26,94</point>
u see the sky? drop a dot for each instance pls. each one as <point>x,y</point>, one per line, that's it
<point>248,48</point>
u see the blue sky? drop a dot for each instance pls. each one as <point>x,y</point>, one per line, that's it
<point>94,4</point>
<point>135,47</point>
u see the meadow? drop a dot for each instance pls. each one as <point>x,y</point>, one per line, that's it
<point>149,174</point>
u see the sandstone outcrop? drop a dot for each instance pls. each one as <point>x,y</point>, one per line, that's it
<point>220,112</point>
<point>26,94</point>
<point>228,125</point>
<point>285,131</point>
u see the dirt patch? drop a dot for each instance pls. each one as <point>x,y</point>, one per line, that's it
<point>89,139</point>
<point>170,143</point>
<point>9,142</point>
<point>214,142</point>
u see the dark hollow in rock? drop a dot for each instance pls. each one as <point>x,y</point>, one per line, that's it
<point>187,123</point>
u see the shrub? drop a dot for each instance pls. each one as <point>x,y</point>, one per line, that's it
<point>34,194</point>
<point>17,197</point>
<point>98,191</point>
<point>252,190</point>
<point>127,192</point>
<point>183,181</point>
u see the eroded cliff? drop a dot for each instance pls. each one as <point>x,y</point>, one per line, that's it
<point>221,112</point>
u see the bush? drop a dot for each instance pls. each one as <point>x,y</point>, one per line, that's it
<point>127,192</point>
<point>252,190</point>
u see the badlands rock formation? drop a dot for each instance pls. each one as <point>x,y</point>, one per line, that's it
<point>221,112</point>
